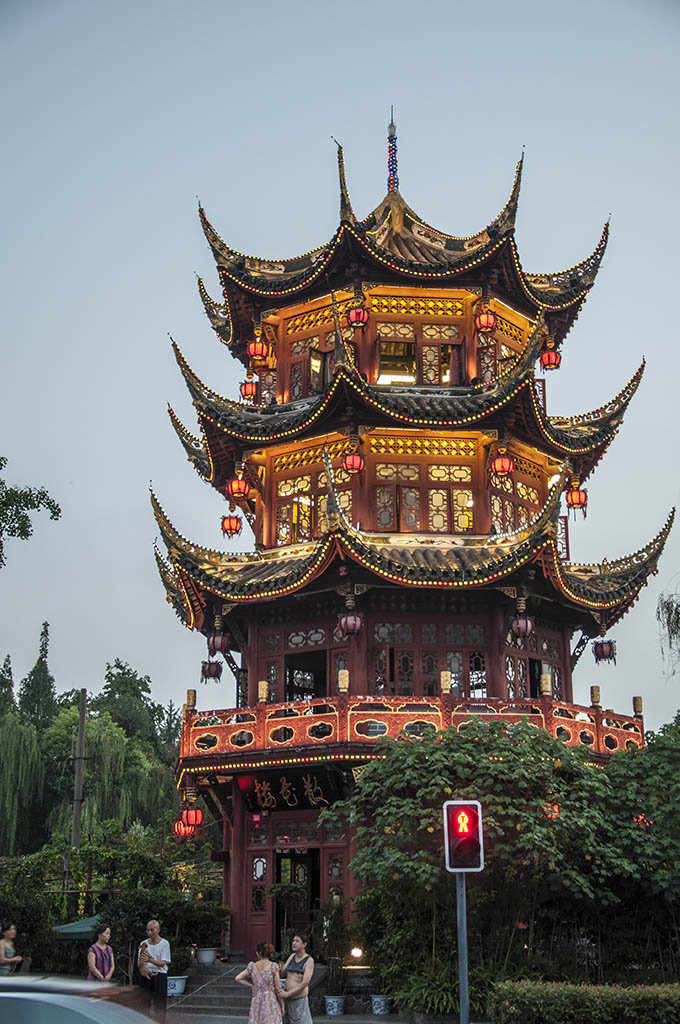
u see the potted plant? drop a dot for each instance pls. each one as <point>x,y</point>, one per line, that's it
<point>287,895</point>
<point>331,942</point>
<point>202,925</point>
<point>177,975</point>
<point>335,995</point>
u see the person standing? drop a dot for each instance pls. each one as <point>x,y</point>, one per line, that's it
<point>100,959</point>
<point>262,978</point>
<point>298,970</point>
<point>9,959</point>
<point>153,959</point>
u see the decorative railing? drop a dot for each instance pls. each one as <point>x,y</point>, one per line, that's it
<point>317,728</point>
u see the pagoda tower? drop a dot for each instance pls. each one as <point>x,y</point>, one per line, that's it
<point>405,485</point>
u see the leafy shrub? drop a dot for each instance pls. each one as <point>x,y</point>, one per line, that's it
<point>433,988</point>
<point>535,1002</point>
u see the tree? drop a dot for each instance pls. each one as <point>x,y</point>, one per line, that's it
<point>7,702</point>
<point>21,771</point>
<point>37,692</point>
<point>126,696</point>
<point>16,504</point>
<point>668,617</point>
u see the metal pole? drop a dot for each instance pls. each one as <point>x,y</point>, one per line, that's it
<point>462,949</point>
<point>78,779</point>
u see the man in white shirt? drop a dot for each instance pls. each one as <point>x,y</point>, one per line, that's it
<point>153,959</point>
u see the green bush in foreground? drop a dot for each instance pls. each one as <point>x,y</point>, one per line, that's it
<point>536,1002</point>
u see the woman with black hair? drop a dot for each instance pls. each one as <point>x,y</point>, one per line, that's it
<point>262,978</point>
<point>100,960</point>
<point>9,958</point>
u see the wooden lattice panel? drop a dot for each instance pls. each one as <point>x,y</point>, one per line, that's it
<point>307,456</point>
<point>316,317</point>
<point>416,305</point>
<point>442,447</point>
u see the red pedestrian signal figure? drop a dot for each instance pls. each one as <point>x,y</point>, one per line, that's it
<point>464,843</point>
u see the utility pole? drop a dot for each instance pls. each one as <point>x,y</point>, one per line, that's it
<point>79,760</point>
<point>78,777</point>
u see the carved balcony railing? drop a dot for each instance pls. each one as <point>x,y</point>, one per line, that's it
<point>341,727</point>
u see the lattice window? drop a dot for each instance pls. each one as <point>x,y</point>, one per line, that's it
<point>395,330</point>
<point>386,508</point>
<point>454,664</point>
<point>317,317</point>
<point>430,673</point>
<point>439,332</point>
<point>462,510</point>
<point>258,868</point>
<point>301,345</point>
<point>294,510</point>
<point>438,510</point>
<point>510,677</point>
<point>298,380</point>
<point>477,663</point>
<point>257,899</point>
<point>409,509</point>
<point>273,680</point>
<point>502,514</point>
<point>306,638</point>
<point>345,503</point>
<point>429,633</point>
<point>403,675</point>
<point>486,360</point>
<point>272,642</point>
<point>468,633</point>
<point>340,475</point>
<point>335,867</point>
<point>307,456</point>
<point>268,387</point>
<point>397,471</point>
<point>526,492</point>
<point>393,632</point>
<point>451,474</point>
<point>430,359</point>
<point>501,483</point>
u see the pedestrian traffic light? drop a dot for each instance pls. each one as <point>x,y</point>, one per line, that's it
<point>463,838</point>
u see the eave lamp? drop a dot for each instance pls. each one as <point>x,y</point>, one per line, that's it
<point>248,389</point>
<point>577,498</point>
<point>211,670</point>
<point>502,464</point>
<point>549,358</point>
<point>237,488</point>
<point>217,644</point>
<point>486,321</point>
<point>522,625</point>
<point>192,817</point>
<point>357,317</point>
<point>604,650</point>
<point>353,462</point>
<point>231,525</point>
<point>182,831</point>
<point>350,621</point>
<point>258,349</point>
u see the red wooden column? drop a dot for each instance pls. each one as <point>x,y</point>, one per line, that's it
<point>495,667</point>
<point>238,892</point>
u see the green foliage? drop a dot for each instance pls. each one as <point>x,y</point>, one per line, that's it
<point>21,771</point>
<point>33,919</point>
<point>126,696</point>
<point>536,1002</point>
<point>7,701</point>
<point>16,504</point>
<point>37,692</point>
<point>555,888</point>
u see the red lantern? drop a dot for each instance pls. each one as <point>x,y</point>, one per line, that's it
<point>192,816</point>
<point>522,626</point>
<point>231,525</point>
<point>502,464</point>
<point>182,831</point>
<point>237,488</point>
<point>258,349</point>
<point>350,623</point>
<point>486,321</point>
<point>357,317</point>
<point>248,390</point>
<point>577,498</point>
<point>353,462</point>
<point>217,644</point>
<point>604,650</point>
<point>550,359</point>
<point>211,669</point>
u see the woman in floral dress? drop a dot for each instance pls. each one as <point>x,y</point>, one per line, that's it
<point>262,978</point>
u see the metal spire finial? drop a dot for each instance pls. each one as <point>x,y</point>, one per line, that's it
<point>392,176</point>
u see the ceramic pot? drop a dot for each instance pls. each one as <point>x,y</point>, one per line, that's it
<point>176,985</point>
<point>335,1006</point>
<point>380,1005</point>
<point>206,954</point>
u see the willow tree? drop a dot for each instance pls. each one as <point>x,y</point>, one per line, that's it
<point>7,702</point>
<point>22,774</point>
<point>668,617</point>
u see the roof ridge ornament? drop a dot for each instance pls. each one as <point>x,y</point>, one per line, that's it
<point>392,164</point>
<point>346,211</point>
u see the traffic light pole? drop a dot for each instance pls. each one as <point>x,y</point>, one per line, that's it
<point>462,949</point>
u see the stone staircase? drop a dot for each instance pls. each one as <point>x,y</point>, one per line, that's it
<point>211,989</point>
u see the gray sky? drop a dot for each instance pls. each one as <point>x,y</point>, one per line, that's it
<point>116,116</point>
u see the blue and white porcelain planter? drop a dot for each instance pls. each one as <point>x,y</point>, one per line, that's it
<point>176,984</point>
<point>380,1005</point>
<point>335,1006</point>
